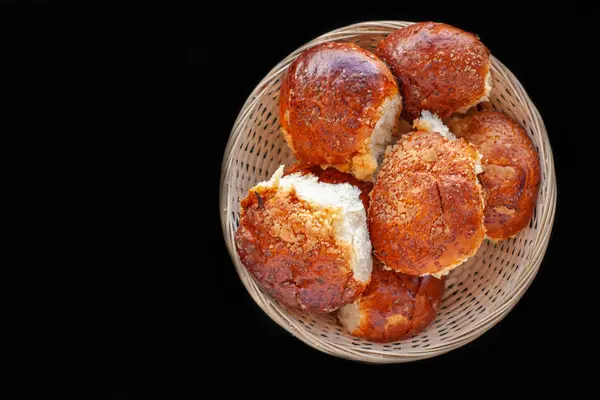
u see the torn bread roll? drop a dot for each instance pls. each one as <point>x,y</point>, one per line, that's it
<point>511,170</point>
<point>426,212</point>
<point>305,242</point>
<point>441,68</point>
<point>393,307</point>
<point>339,107</point>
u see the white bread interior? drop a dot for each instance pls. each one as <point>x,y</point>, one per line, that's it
<point>432,123</point>
<point>365,166</point>
<point>350,316</point>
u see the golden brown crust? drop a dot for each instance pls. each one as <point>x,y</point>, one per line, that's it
<point>511,170</point>
<point>426,213</point>
<point>289,247</point>
<point>397,306</point>
<point>330,101</point>
<point>332,175</point>
<point>442,68</point>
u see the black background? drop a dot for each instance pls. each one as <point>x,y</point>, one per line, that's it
<point>119,284</point>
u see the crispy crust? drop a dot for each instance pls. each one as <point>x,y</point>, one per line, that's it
<point>511,166</point>
<point>442,68</point>
<point>289,247</point>
<point>426,213</point>
<point>397,306</point>
<point>330,101</point>
<point>332,175</point>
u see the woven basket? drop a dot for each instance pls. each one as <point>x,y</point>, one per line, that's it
<point>478,294</point>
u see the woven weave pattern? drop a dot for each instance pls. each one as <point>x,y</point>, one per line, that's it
<point>478,294</point>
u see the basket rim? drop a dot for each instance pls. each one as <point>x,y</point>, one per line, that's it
<point>483,325</point>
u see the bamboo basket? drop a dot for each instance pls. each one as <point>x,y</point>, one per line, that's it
<point>478,294</point>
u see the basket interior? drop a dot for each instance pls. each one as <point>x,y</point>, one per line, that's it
<point>475,291</point>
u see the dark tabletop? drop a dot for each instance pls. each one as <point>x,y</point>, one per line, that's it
<point>119,279</point>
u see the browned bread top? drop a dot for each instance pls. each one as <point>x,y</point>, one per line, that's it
<point>511,170</point>
<point>331,98</point>
<point>426,212</point>
<point>394,306</point>
<point>293,249</point>
<point>441,68</point>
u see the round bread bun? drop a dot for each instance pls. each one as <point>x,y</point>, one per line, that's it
<point>393,307</point>
<point>332,175</point>
<point>426,212</point>
<point>442,69</point>
<point>511,170</point>
<point>339,107</point>
<point>305,242</point>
